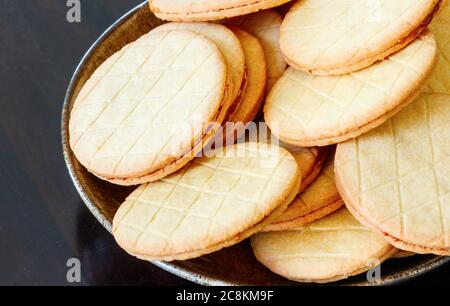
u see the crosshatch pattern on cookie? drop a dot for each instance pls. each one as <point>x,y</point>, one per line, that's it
<point>206,203</point>
<point>329,249</point>
<point>225,40</point>
<point>315,107</point>
<point>405,191</point>
<point>128,114</point>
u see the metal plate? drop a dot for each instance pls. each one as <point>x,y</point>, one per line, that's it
<point>232,266</point>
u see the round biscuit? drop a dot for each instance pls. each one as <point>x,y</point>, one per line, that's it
<point>330,249</point>
<point>127,118</point>
<point>395,179</point>
<point>212,203</point>
<point>307,110</point>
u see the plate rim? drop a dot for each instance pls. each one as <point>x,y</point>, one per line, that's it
<point>183,272</point>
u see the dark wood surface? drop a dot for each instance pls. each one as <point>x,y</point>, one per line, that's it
<point>43,222</point>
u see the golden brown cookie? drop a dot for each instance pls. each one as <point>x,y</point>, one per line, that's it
<point>197,10</point>
<point>212,203</point>
<point>330,249</point>
<point>150,108</point>
<point>307,110</point>
<point>395,179</point>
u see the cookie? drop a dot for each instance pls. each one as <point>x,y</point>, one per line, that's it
<point>343,36</point>
<point>440,77</point>
<point>310,162</point>
<point>226,41</point>
<point>307,110</point>
<point>253,94</point>
<point>330,249</point>
<point>285,8</point>
<point>265,26</point>
<point>212,203</point>
<point>395,179</point>
<point>195,10</point>
<point>149,108</point>
<point>320,199</point>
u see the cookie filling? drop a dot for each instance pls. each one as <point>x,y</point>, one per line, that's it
<point>332,203</point>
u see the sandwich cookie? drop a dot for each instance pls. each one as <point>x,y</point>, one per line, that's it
<point>395,179</point>
<point>343,36</point>
<point>265,26</point>
<point>195,10</point>
<point>252,96</point>
<point>307,110</point>
<point>330,249</point>
<point>212,203</point>
<point>320,199</point>
<point>150,108</point>
<point>310,162</point>
<point>440,77</point>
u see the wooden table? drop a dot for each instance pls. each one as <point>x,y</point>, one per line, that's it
<point>43,221</point>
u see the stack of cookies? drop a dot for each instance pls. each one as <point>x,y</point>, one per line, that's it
<point>353,170</point>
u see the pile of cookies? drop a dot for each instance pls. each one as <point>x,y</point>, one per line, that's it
<point>355,166</point>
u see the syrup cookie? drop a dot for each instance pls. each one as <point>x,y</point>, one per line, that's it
<point>307,110</point>
<point>330,249</point>
<point>126,121</point>
<point>395,179</point>
<point>212,203</point>
<point>343,36</point>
